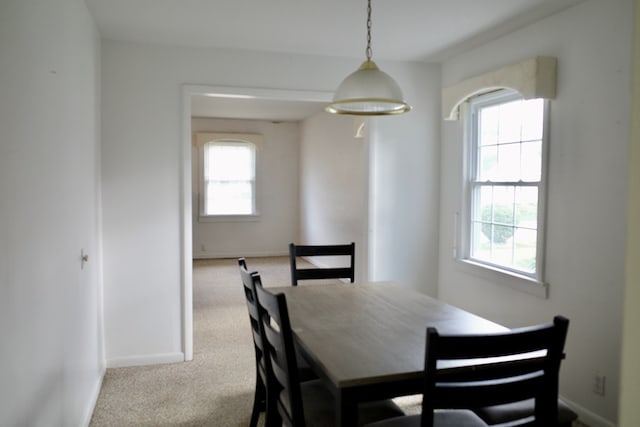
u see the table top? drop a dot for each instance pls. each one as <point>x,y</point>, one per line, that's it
<point>360,334</point>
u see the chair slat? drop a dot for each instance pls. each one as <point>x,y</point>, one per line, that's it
<point>498,382</point>
<point>323,273</point>
<point>347,272</point>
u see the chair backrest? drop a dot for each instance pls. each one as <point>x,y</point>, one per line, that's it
<point>515,377</point>
<point>249,281</point>
<point>280,357</point>
<point>321,272</point>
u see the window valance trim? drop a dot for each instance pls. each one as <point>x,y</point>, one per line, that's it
<point>202,138</point>
<point>533,78</point>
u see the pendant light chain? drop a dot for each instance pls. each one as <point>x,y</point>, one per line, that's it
<point>368,91</point>
<point>368,51</point>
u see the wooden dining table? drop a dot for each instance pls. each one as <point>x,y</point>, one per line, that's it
<point>367,340</point>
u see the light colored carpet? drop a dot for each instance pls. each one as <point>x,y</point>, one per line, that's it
<point>216,388</point>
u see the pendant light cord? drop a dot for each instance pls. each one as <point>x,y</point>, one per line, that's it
<point>368,51</point>
<point>368,91</point>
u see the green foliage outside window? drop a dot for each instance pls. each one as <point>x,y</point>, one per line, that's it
<point>502,214</point>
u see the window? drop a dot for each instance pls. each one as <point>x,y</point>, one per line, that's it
<point>506,146</point>
<point>228,175</point>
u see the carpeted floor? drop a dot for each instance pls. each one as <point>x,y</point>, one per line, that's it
<point>216,388</point>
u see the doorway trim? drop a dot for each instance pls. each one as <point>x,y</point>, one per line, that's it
<point>186,214</point>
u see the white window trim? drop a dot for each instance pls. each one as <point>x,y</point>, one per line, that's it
<point>533,284</point>
<point>201,139</point>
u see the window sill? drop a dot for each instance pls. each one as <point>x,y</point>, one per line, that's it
<point>504,278</point>
<point>229,218</point>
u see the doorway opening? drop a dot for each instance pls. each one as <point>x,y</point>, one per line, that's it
<point>230,103</point>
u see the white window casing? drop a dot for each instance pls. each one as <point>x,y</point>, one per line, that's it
<point>533,78</point>
<point>227,170</point>
<point>518,179</point>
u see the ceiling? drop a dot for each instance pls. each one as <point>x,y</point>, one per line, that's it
<point>403,30</point>
<point>257,109</point>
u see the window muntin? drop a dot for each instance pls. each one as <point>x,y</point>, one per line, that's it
<point>228,178</point>
<point>505,183</point>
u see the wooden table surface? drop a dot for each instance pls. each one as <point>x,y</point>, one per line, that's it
<point>365,338</point>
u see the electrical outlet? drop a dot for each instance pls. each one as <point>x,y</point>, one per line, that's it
<point>599,382</point>
<point>203,248</point>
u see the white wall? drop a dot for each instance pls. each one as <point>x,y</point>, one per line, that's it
<point>277,194</point>
<point>404,184</point>
<point>586,196</point>
<point>334,187</point>
<point>51,362</point>
<point>141,86</point>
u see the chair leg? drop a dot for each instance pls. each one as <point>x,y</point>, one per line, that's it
<point>259,401</point>
<point>272,417</point>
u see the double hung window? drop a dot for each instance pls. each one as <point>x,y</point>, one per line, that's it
<point>504,209</point>
<point>228,178</point>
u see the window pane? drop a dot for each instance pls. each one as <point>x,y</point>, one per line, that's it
<point>502,214</point>
<point>510,124</point>
<point>526,207</point>
<point>488,169</point>
<point>524,251</point>
<point>503,200</point>
<point>507,152</point>
<point>508,163</point>
<point>483,203</point>
<point>229,173</point>
<point>493,219</point>
<point>502,253</point>
<point>229,199</point>
<point>532,119</point>
<point>229,163</point>
<point>531,161</point>
<point>488,120</point>
<point>481,242</point>
<point>504,226</point>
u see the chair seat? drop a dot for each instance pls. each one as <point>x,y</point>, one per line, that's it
<point>458,418</point>
<point>320,410</point>
<point>514,411</point>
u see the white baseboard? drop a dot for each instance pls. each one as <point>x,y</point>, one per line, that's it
<point>588,417</point>
<point>93,399</point>
<point>216,255</point>
<point>152,359</point>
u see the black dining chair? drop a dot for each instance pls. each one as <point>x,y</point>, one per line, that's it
<point>316,273</point>
<point>504,414</point>
<point>260,394</point>
<point>296,403</point>
<point>509,367</point>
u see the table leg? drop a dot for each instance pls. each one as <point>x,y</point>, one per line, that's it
<point>346,410</point>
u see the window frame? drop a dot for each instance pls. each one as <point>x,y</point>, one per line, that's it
<point>228,139</point>
<point>530,282</point>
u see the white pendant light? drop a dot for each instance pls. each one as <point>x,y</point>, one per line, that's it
<point>368,91</point>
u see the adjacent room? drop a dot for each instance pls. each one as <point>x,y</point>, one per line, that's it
<point>112,245</point>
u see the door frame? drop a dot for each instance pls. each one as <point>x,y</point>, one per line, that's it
<point>186,214</point>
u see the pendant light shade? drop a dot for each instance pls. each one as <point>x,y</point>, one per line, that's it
<point>368,91</point>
